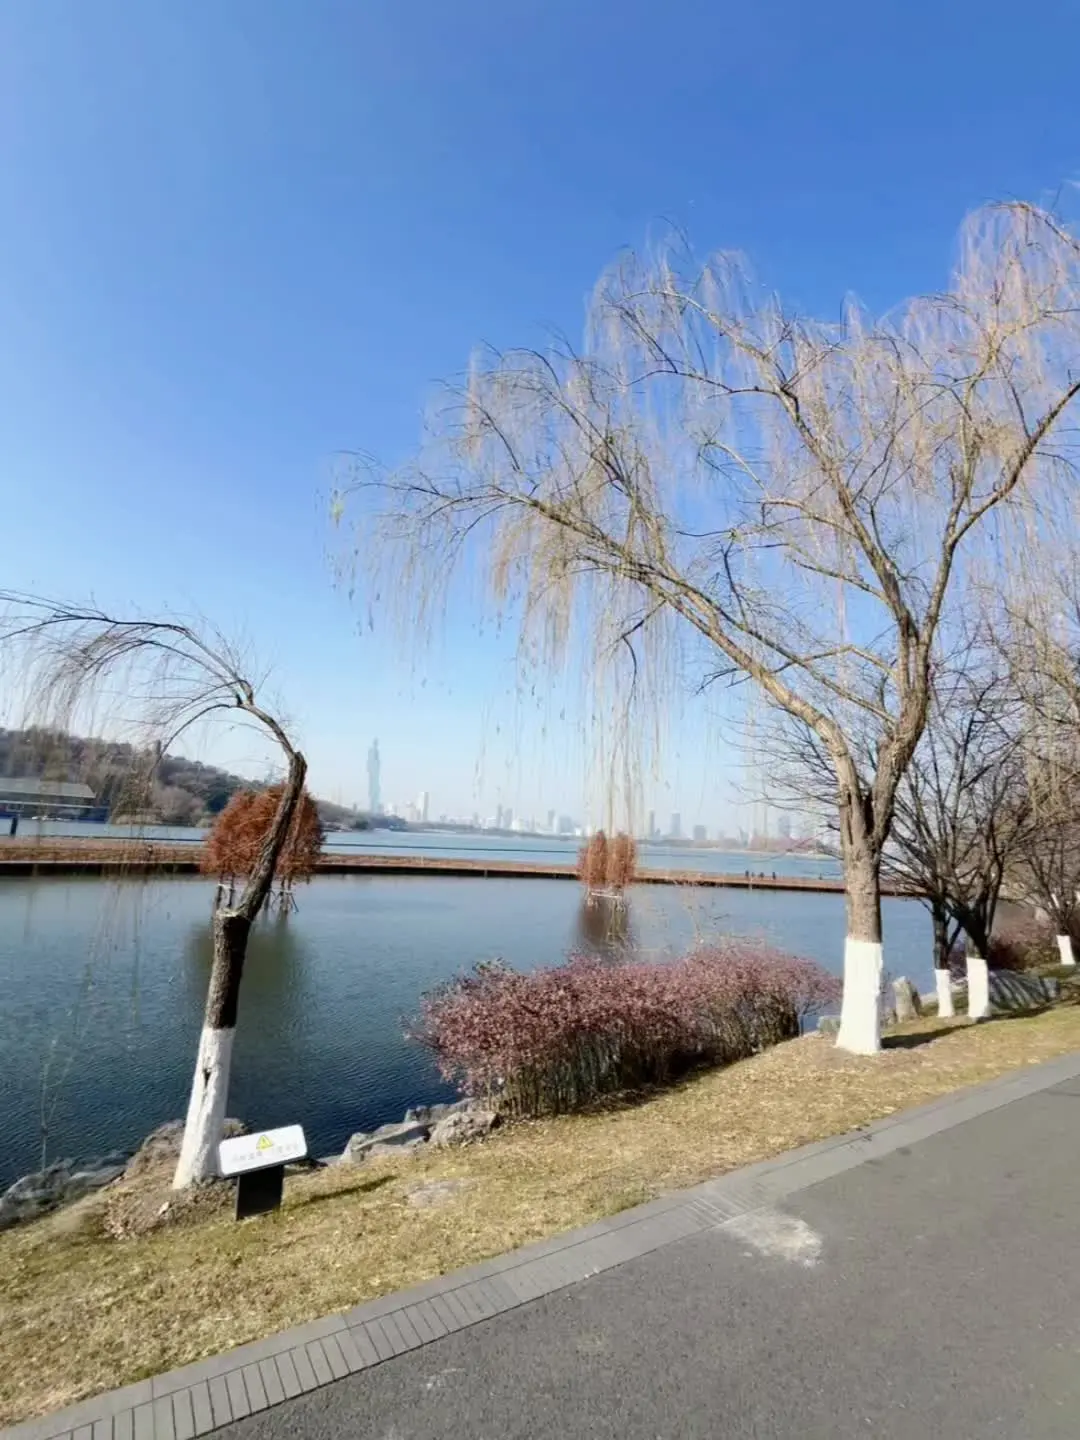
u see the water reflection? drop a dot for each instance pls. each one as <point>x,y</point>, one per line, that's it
<point>604,928</point>
<point>277,972</point>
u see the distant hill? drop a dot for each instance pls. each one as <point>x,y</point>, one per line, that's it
<point>169,788</point>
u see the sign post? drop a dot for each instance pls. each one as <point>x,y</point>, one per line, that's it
<point>258,1161</point>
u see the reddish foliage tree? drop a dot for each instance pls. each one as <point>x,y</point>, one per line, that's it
<point>622,863</point>
<point>593,861</point>
<point>233,845</point>
<point>607,865</point>
<point>228,851</point>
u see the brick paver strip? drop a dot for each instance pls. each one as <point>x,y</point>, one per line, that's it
<point>275,1391</point>
<point>422,1325</point>
<point>334,1357</point>
<point>427,1312</point>
<point>289,1379</point>
<point>219,1401</point>
<point>254,1386</point>
<point>201,1408</point>
<point>361,1338</point>
<point>163,1427</point>
<point>183,1415</point>
<point>198,1398</point>
<point>238,1400</point>
<point>384,1346</point>
<point>409,1332</point>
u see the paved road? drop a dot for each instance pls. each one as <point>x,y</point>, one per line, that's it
<point>931,1293</point>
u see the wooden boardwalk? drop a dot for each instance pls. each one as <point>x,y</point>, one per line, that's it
<point>120,857</point>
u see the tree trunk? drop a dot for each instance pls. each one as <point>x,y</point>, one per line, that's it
<point>231,927</point>
<point>942,972</point>
<point>860,1010</point>
<point>1065,950</point>
<point>210,1087</point>
<point>978,983</point>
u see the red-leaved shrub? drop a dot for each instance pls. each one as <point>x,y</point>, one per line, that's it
<point>557,1039</point>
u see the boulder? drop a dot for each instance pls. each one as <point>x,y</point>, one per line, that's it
<point>908,1000</point>
<point>432,1114</point>
<point>58,1184</point>
<point>163,1144</point>
<point>407,1147</point>
<point>388,1137</point>
<point>463,1126</point>
<point>828,1024</point>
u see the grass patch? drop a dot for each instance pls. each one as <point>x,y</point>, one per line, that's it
<point>82,1311</point>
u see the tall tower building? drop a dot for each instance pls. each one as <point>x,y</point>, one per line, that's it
<point>374,778</point>
<point>676,825</point>
<point>422,803</point>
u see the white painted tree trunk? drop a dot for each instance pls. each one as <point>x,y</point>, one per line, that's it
<point>1065,950</point>
<point>978,983</point>
<point>860,1016</point>
<point>943,982</point>
<point>206,1108</point>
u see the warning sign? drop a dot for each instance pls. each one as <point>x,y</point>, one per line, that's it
<point>264,1148</point>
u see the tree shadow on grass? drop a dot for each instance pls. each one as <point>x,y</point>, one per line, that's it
<point>923,1037</point>
<point>361,1187</point>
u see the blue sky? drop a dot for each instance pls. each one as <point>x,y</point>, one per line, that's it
<point>237,238</point>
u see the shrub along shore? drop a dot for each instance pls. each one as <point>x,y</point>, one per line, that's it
<point>556,1039</point>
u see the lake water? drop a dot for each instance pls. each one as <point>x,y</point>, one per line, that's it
<point>538,849</point>
<point>103,985</point>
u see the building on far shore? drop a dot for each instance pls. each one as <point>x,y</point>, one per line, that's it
<point>50,799</point>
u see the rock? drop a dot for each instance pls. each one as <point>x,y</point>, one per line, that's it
<point>389,1137</point>
<point>432,1114</point>
<point>407,1147</point>
<point>164,1143</point>
<point>58,1184</point>
<point>828,1024</point>
<point>908,1000</point>
<point>1012,990</point>
<point>436,1192</point>
<point>463,1126</point>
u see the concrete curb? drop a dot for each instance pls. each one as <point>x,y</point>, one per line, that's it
<point>201,1397</point>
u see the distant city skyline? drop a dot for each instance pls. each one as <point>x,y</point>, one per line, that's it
<point>374,770</point>
<point>763,821</point>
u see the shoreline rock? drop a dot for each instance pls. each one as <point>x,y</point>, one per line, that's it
<point>457,1123</point>
<point>65,1181</point>
<point>61,1183</point>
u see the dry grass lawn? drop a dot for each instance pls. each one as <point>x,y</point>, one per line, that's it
<point>81,1311</point>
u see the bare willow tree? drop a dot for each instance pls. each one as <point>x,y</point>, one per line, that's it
<point>174,677</point>
<point>797,500</point>
<point>1040,637</point>
<point>963,816</point>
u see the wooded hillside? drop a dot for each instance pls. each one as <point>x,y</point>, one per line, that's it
<point>128,781</point>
